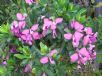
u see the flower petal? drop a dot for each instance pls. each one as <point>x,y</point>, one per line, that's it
<point>44,60</point>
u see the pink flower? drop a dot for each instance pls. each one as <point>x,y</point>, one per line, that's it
<point>93,38</point>
<point>4,62</point>
<point>14,25</point>
<point>68,36</point>
<point>36,35</point>
<point>48,58</point>
<point>20,16</point>
<point>51,60</point>
<point>74,57</point>
<point>47,24</point>
<point>75,43</point>
<point>26,31</point>
<point>84,52</point>
<point>88,30</point>
<point>53,52</point>
<point>26,36</point>
<point>77,26</point>
<point>85,40</point>
<point>76,38</point>
<point>93,56</point>
<point>82,60</point>
<point>21,24</point>
<point>15,29</point>
<point>44,60</point>
<point>54,35</point>
<point>58,20</point>
<point>34,27</point>
<point>53,28</point>
<point>91,47</point>
<point>29,1</point>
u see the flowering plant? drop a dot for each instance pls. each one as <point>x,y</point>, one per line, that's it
<point>47,44</point>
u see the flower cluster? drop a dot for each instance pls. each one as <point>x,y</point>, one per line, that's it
<point>83,40</point>
<point>26,35</point>
<point>29,35</point>
<point>51,24</point>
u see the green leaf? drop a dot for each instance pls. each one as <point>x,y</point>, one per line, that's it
<point>24,62</point>
<point>20,56</point>
<point>2,70</point>
<point>5,28</point>
<point>43,48</point>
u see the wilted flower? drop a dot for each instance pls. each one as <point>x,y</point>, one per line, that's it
<point>27,68</point>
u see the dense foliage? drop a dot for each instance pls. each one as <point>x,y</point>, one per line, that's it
<point>48,37</point>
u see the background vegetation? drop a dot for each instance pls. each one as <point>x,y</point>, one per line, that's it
<point>87,12</point>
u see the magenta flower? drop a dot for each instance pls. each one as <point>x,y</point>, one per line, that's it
<point>48,58</point>
<point>13,49</point>
<point>86,40</point>
<point>52,61</point>
<point>93,56</point>
<point>76,38</point>
<point>36,35</point>
<point>74,57</point>
<point>29,1</point>
<point>15,29</point>
<point>20,16</point>
<point>53,28</point>
<point>4,62</point>
<point>44,60</point>
<point>53,52</point>
<point>82,60</point>
<point>84,52</point>
<point>21,24</point>
<point>77,26</point>
<point>26,36</point>
<point>34,27</point>
<point>58,20</point>
<point>68,36</point>
<point>46,26</point>
<point>88,30</point>
<point>93,38</point>
<point>91,47</point>
<point>47,23</point>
